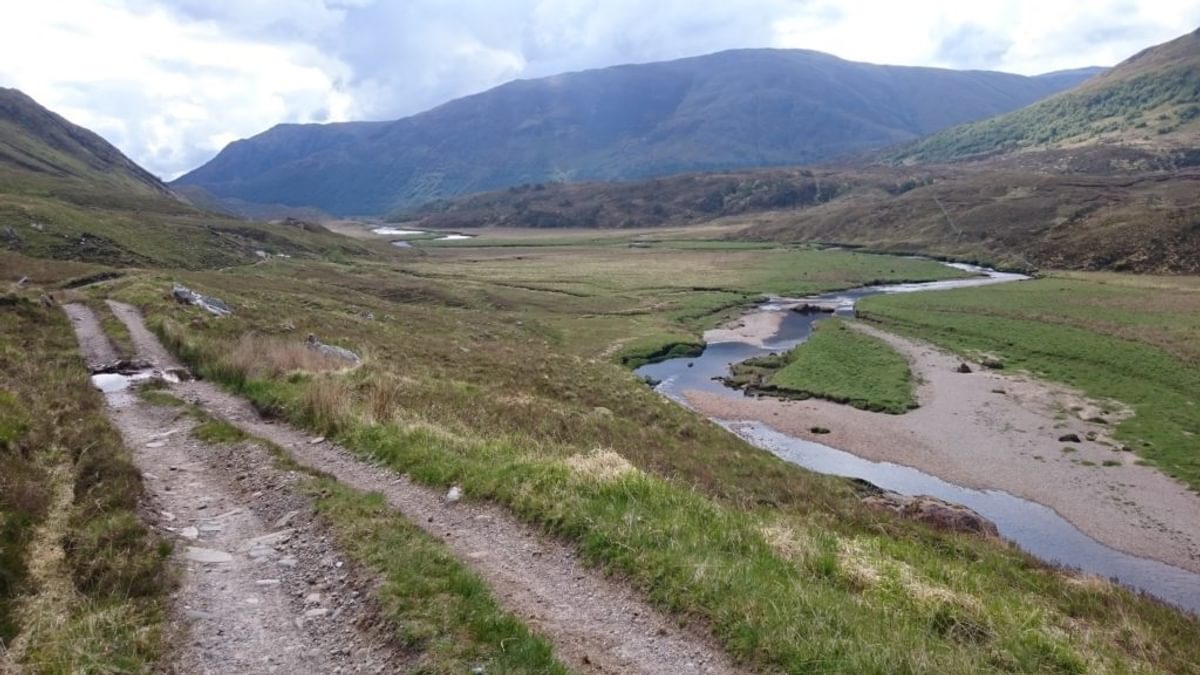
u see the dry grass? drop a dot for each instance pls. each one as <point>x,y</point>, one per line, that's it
<point>601,465</point>
<point>330,403</point>
<point>263,356</point>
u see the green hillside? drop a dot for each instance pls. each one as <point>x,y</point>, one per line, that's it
<point>66,193</point>
<point>1151,100</point>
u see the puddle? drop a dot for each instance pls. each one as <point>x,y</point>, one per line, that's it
<point>455,237</point>
<point>400,243</point>
<point>111,383</point>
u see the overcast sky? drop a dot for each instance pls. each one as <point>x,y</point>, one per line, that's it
<point>172,82</point>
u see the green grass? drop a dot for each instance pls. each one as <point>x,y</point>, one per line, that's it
<point>839,364</point>
<point>156,397</point>
<point>437,606</point>
<point>1127,339</point>
<point>83,581</point>
<point>786,568</point>
<point>217,431</point>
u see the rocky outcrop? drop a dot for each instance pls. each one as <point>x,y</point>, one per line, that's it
<point>332,350</point>
<point>939,513</point>
<point>186,296</point>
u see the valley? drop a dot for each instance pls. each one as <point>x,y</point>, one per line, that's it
<point>759,361</point>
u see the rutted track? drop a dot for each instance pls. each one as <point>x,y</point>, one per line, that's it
<point>261,588</point>
<point>596,624</point>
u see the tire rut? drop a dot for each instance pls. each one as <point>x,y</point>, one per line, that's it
<point>597,624</point>
<point>261,588</point>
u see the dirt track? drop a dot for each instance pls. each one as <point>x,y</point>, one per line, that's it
<point>596,624</point>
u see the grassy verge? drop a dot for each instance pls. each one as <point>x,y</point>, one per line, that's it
<point>440,612</point>
<point>1129,339</point>
<point>836,363</point>
<point>82,580</point>
<point>786,567</point>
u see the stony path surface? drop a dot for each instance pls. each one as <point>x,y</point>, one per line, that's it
<point>261,588</point>
<point>596,624</point>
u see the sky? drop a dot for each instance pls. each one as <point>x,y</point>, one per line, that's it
<point>171,82</point>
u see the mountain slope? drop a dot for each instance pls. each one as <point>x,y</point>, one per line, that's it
<point>36,140</point>
<point>67,193</point>
<point>1151,100</point>
<point>743,108</point>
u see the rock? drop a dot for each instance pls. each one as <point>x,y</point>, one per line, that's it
<point>933,511</point>
<point>207,555</point>
<point>286,519</point>
<point>454,494</point>
<point>1069,438</point>
<point>267,540</point>
<point>332,350</point>
<point>808,308</point>
<point>315,613</point>
<point>186,296</point>
<point>316,441</point>
<point>818,430</point>
<point>189,533</point>
<point>963,368</point>
<point>22,281</point>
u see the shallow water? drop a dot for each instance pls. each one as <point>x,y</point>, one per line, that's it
<point>111,383</point>
<point>397,232</point>
<point>455,237</point>
<point>1031,526</point>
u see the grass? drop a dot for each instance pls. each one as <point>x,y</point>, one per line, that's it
<point>836,363</point>
<point>786,568</point>
<point>439,608</point>
<point>82,580</point>
<point>644,300</point>
<point>1132,340</point>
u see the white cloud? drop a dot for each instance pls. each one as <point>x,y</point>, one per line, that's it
<point>171,82</point>
<point>165,91</point>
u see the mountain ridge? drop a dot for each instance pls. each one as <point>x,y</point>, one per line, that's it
<point>733,109</point>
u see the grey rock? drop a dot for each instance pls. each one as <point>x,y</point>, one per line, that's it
<point>332,350</point>
<point>187,296</point>
<point>207,555</point>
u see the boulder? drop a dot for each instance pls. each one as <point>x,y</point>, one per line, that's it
<point>332,350</point>
<point>809,308</point>
<point>963,368</point>
<point>933,511</point>
<point>187,296</point>
<point>1069,438</point>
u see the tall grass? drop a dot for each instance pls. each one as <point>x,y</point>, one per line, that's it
<point>83,581</point>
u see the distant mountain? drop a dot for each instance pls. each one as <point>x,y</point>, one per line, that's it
<point>743,108</point>
<point>1150,101</point>
<point>67,193</point>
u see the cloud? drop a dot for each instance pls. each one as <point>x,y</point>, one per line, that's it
<point>171,81</point>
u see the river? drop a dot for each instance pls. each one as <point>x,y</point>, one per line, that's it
<point>1030,525</point>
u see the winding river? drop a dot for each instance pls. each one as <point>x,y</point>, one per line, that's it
<point>1031,526</point>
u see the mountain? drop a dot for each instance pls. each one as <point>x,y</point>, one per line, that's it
<point>38,141</point>
<point>1150,101</point>
<point>66,193</point>
<point>742,108</point>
